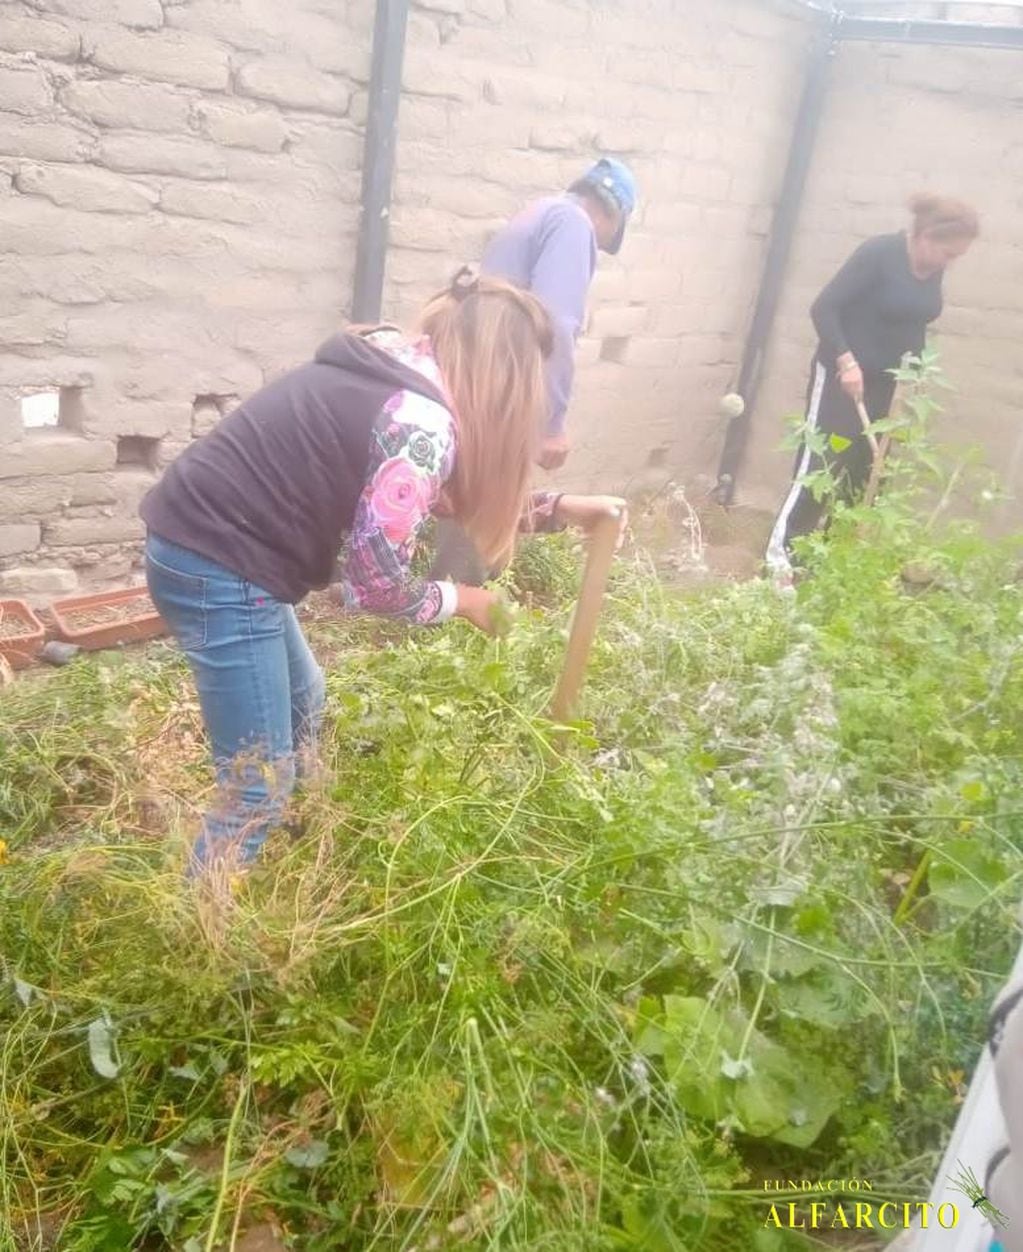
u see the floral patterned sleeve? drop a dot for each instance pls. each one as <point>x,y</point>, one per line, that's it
<point>412,451</point>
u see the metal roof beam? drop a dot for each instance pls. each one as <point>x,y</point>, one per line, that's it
<point>931,31</point>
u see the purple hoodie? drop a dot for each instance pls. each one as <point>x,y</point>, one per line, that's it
<point>550,249</point>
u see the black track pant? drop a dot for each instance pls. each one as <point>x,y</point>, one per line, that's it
<point>828,409</point>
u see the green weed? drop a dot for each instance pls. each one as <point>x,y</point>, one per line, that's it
<point>513,992</point>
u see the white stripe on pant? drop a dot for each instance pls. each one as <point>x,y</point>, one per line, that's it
<point>777,557</point>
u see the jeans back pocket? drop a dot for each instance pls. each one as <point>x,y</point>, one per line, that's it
<point>181,600</point>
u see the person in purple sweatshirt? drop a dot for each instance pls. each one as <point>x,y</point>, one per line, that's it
<point>550,249</point>
<point>355,449</point>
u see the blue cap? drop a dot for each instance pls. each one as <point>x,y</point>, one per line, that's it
<point>613,181</point>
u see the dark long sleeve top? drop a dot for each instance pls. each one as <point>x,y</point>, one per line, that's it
<point>875,307</point>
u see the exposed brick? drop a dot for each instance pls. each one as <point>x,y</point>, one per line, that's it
<point>459,197</point>
<point>358,108</point>
<point>554,18</point>
<point>144,14</point>
<point>24,91</point>
<point>132,106</point>
<point>41,373</point>
<point>424,229</point>
<point>419,76</point>
<point>653,285</point>
<point>243,28</point>
<point>76,531</point>
<point>334,145</point>
<point>219,203</point>
<point>139,154</point>
<point>108,565</point>
<point>618,320</point>
<point>610,283</point>
<point>19,537</point>
<point>44,39</point>
<point>424,119</point>
<point>424,269</point>
<point>55,454</point>
<point>292,85</point>
<point>131,485</point>
<point>423,31</point>
<point>529,171</point>
<point>555,136</point>
<point>43,141</point>
<point>330,40</point>
<point>30,497</point>
<point>92,489</point>
<point>85,188</point>
<point>491,10</point>
<point>38,582</point>
<point>259,129</point>
<point>587,351</point>
<point>645,353</point>
<point>34,325</point>
<point>205,416</point>
<point>168,56</point>
<point>152,418</point>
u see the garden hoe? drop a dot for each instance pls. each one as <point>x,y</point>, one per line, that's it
<point>878,452</point>
<point>603,544</point>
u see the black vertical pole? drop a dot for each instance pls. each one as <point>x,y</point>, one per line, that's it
<point>783,227</point>
<point>378,157</point>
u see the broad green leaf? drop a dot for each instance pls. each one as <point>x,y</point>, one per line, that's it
<point>964,874</point>
<point>824,997</point>
<point>774,1095</point>
<point>101,1047</point>
<point>839,443</point>
<point>645,1222</point>
<point>786,955</point>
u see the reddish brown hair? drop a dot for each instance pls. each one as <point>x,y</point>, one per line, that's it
<point>943,217</point>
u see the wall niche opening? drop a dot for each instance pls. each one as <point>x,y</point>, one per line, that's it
<point>138,452</point>
<point>53,408</point>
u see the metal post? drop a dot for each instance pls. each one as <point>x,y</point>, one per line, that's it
<point>932,31</point>
<point>378,157</point>
<point>811,105</point>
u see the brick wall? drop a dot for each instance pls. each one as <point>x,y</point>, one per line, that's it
<point>178,205</point>
<point>902,119</point>
<point>179,188</point>
<point>510,99</point>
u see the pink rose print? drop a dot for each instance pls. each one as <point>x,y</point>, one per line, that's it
<point>399,497</point>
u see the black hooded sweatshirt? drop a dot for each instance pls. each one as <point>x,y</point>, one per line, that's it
<point>271,492</point>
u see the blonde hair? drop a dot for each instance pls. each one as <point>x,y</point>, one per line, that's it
<point>489,340</point>
<point>943,217</point>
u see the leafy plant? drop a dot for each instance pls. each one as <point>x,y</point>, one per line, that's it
<point>510,992</point>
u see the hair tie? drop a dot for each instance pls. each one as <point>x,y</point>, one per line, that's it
<point>464,283</point>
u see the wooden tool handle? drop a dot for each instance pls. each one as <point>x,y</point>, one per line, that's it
<point>603,542</point>
<point>864,417</point>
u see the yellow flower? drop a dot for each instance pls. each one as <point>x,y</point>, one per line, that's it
<point>3,851</point>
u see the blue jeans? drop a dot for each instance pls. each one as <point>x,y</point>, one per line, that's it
<point>260,690</point>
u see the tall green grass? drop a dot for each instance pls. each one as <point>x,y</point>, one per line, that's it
<point>517,989</point>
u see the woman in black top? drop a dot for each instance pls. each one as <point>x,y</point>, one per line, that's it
<point>874,311</point>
